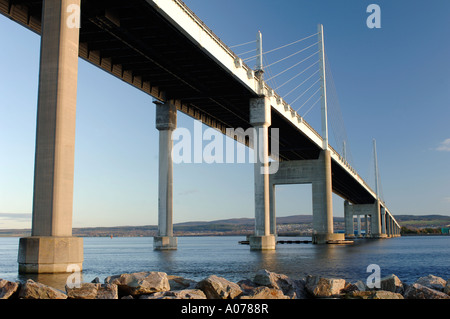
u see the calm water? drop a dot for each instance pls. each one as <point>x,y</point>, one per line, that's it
<point>198,257</point>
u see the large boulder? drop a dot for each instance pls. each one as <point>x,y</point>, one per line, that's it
<point>320,287</point>
<point>36,290</point>
<point>247,286</point>
<point>376,294</point>
<point>392,283</point>
<point>176,294</point>
<point>447,287</point>
<point>216,287</point>
<point>264,292</point>
<point>295,289</point>
<point>433,282</point>
<point>360,286</point>
<point>140,283</point>
<point>418,291</point>
<point>7,288</point>
<point>180,283</point>
<point>93,291</point>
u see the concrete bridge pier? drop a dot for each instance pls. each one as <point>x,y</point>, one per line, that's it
<point>322,193</point>
<point>366,225</point>
<point>349,221</point>
<point>260,118</point>
<point>371,212</point>
<point>375,221</point>
<point>318,173</point>
<point>51,247</point>
<point>383,221</point>
<point>166,123</point>
<point>388,226</point>
<point>358,222</point>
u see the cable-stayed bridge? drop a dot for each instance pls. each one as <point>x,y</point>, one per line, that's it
<point>163,49</point>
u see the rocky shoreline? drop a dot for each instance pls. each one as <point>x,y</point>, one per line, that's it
<point>264,285</point>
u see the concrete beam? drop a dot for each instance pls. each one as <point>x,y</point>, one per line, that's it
<point>52,247</point>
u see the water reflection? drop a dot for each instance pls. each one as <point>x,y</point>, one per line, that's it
<point>266,259</point>
<point>197,258</point>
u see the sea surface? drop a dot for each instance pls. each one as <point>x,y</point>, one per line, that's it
<point>198,257</point>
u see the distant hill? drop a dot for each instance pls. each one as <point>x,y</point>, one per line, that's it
<point>432,221</point>
<point>296,219</point>
<point>232,226</point>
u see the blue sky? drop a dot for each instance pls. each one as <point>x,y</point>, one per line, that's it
<point>393,85</point>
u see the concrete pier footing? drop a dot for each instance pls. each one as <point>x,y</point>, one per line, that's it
<point>50,254</point>
<point>165,243</point>
<point>262,242</point>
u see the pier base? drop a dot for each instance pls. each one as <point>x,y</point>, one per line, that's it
<point>324,238</point>
<point>165,243</point>
<point>41,255</point>
<point>262,242</point>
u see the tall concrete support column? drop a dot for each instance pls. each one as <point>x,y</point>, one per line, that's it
<point>273,217</point>
<point>383,221</point>
<point>359,225</point>
<point>323,202</point>
<point>166,123</point>
<point>375,221</point>
<point>366,225</point>
<point>348,216</point>
<point>260,118</point>
<point>389,226</point>
<point>51,247</point>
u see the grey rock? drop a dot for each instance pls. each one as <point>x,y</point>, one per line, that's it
<point>35,290</point>
<point>140,283</point>
<point>418,291</point>
<point>377,294</point>
<point>433,282</point>
<point>180,283</point>
<point>177,294</point>
<point>293,288</point>
<point>7,288</point>
<point>447,287</point>
<point>216,287</point>
<point>392,283</point>
<point>320,287</point>
<point>264,292</point>
<point>361,286</point>
<point>93,291</point>
<point>247,285</point>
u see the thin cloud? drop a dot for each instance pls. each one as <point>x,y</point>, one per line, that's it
<point>12,216</point>
<point>444,146</point>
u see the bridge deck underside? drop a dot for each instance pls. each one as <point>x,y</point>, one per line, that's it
<point>132,41</point>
